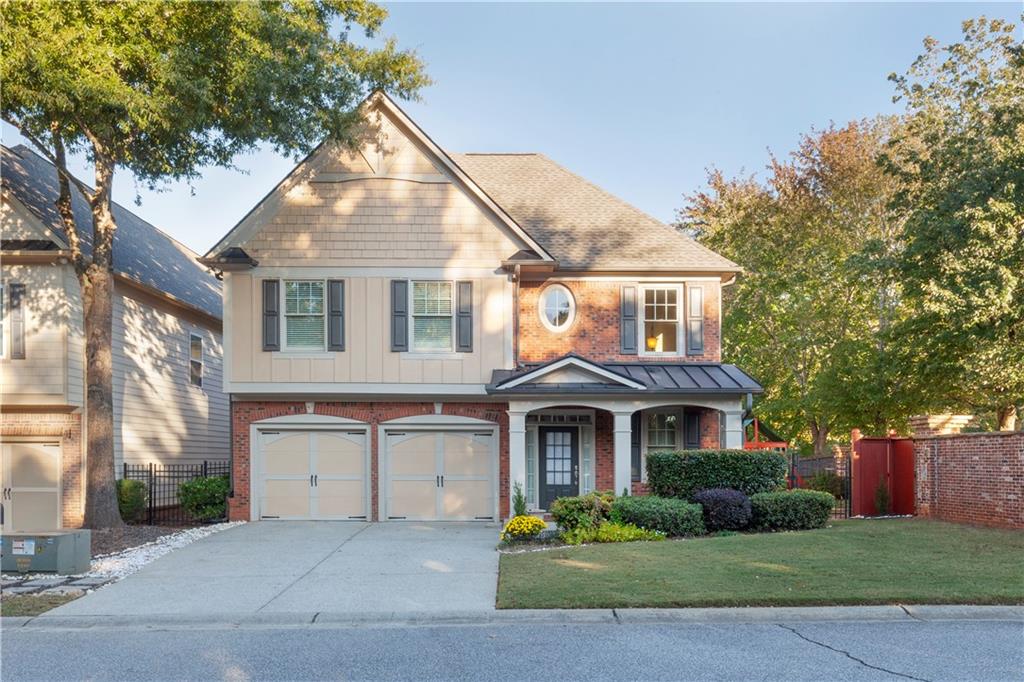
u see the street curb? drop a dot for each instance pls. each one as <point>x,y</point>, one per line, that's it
<point>753,615</point>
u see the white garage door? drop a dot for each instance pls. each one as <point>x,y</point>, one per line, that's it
<point>312,475</point>
<point>440,475</point>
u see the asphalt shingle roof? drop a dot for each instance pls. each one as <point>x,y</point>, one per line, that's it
<point>580,224</point>
<point>141,251</point>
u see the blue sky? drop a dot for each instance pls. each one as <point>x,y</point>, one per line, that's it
<point>640,99</point>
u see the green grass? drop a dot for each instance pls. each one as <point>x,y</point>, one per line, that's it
<point>851,562</point>
<point>33,604</point>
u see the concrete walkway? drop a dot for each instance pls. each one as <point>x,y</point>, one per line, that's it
<point>268,568</point>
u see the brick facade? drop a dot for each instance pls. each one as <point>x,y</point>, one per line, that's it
<point>65,428</point>
<point>975,478</point>
<point>594,333</point>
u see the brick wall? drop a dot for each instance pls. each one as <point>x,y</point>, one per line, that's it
<point>244,413</point>
<point>594,333</point>
<point>67,429</point>
<point>975,478</point>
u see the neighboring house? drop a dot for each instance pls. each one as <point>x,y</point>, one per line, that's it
<point>409,331</point>
<point>169,403</point>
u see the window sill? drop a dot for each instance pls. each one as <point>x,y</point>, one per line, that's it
<point>415,355</point>
<point>305,354</point>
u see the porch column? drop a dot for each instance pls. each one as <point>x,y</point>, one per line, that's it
<point>623,452</point>
<point>516,453</point>
<point>733,429</point>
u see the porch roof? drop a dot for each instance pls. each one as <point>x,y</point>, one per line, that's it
<point>639,378</point>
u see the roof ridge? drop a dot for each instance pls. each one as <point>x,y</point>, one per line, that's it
<point>499,153</point>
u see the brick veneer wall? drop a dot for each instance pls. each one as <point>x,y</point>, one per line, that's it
<point>244,413</point>
<point>975,478</point>
<point>594,333</point>
<point>67,429</point>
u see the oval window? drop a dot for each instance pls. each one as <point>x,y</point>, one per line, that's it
<point>557,308</point>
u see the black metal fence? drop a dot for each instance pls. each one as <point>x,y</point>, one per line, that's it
<point>162,481</point>
<point>803,469</point>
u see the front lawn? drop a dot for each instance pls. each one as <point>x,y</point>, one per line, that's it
<point>33,604</point>
<point>850,562</point>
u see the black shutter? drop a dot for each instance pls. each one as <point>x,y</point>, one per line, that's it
<point>695,321</point>
<point>335,315</point>
<point>399,315</point>
<point>17,308</point>
<point>634,445</point>
<point>627,320</point>
<point>691,430</point>
<point>464,317</point>
<point>271,314</point>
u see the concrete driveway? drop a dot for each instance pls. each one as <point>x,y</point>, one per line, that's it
<point>309,567</point>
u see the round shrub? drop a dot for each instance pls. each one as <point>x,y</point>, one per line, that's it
<point>205,499</point>
<point>522,527</point>
<point>585,511</point>
<point>131,499</point>
<point>724,508</point>
<point>792,510</point>
<point>682,474</point>
<point>666,514</point>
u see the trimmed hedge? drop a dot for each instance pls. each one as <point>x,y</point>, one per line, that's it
<point>131,499</point>
<point>205,499</point>
<point>724,508</point>
<point>666,514</point>
<point>585,511</point>
<point>610,532</point>
<point>791,510</point>
<point>682,474</point>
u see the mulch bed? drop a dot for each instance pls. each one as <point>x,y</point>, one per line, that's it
<point>110,540</point>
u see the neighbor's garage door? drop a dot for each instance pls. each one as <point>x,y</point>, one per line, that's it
<point>312,475</point>
<point>440,475</point>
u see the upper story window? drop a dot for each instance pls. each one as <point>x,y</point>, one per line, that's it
<point>432,318</point>
<point>661,321</point>
<point>304,315</point>
<point>662,431</point>
<point>195,359</point>
<point>557,308</point>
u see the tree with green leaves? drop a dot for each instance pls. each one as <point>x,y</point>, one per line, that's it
<point>163,89</point>
<point>959,161</point>
<point>810,314</point>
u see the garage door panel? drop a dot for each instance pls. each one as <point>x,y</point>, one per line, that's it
<point>467,455</point>
<point>286,498</point>
<point>286,455</point>
<point>413,455</point>
<point>341,454</point>
<point>341,498</point>
<point>414,499</point>
<point>467,499</point>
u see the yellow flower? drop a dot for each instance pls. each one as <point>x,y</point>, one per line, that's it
<point>520,527</point>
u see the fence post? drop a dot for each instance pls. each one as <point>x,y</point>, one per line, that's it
<point>204,469</point>
<point>151,494</point>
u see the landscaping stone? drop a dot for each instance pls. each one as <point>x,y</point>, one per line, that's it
<point>64,590</point>
<point>45,582</point>
<point>19,590</point>
<point>90,582</point>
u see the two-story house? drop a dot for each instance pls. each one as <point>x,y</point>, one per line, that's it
<point>169,406</point>
<point>409,332</point>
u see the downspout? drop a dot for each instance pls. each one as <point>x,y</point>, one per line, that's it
<point>515,316</point>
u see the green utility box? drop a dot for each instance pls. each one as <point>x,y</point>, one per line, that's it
<point>64,552</point>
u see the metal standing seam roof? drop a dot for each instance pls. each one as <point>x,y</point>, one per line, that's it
<point>658,377</point>
<point>141,251</point>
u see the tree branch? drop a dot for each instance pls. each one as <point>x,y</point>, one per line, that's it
<point>61,168</point>
<point>64,206</point>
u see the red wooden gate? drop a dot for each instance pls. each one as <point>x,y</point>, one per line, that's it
<point>883,459</point>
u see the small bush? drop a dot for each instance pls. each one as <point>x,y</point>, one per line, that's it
<point>682,474</point>
<point>792,510</point>
<point>827,482</point>
<point>666,514</point>
<point>610,532</point>
<point>522,527</point>
<point>585,511</point>
<point>518,500</point>
<point>131,499</point>
<point>204,499</point>
<point>883,501</point>
<point>724,508</point>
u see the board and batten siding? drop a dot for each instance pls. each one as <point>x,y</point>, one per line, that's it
<point>367,357</point>
<point>159,416</point>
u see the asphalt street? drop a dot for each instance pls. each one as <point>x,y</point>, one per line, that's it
<point>850,650</point>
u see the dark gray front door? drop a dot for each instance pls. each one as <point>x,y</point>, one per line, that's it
<point>559,464</point>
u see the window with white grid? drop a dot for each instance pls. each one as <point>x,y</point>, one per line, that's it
<point>432,316</point>
<point>304,314</point>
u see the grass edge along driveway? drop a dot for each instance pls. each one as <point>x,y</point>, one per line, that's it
<point>909,561</point>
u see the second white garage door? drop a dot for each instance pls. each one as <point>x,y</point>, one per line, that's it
<point>313,475</point>
<point>440,475</point>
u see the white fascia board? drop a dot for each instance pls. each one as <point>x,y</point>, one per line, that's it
<point>286,390</point>
<point>565,362</point>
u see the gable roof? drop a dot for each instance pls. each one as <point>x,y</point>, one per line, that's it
<point>595,373</point>
<point>580,224</point>
<point>141,251</point>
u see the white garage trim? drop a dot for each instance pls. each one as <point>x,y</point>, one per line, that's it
<point>446,421</point>
<point>300,423</point>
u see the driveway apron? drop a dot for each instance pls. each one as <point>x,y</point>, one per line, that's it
<point>309,567</point>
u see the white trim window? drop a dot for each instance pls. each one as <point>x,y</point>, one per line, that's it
<point>432,317</point>
<point>304,327</point>
<point>557,308</point>
<point>196,363</point>
<point>662,431</point>
<point>661,328</point>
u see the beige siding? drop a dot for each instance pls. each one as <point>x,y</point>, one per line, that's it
<point>159,415</point>
<point>367,356</point>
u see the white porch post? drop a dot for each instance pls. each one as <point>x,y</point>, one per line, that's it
<point>733,428</point>
<point>516,453</point>
<point>623,452</point>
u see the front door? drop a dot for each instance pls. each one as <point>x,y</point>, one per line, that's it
<point>559,463</point>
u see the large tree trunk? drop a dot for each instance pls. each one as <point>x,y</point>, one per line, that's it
<point>97,282</point>
<point>819,436</point>
<point>1007,418</point>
